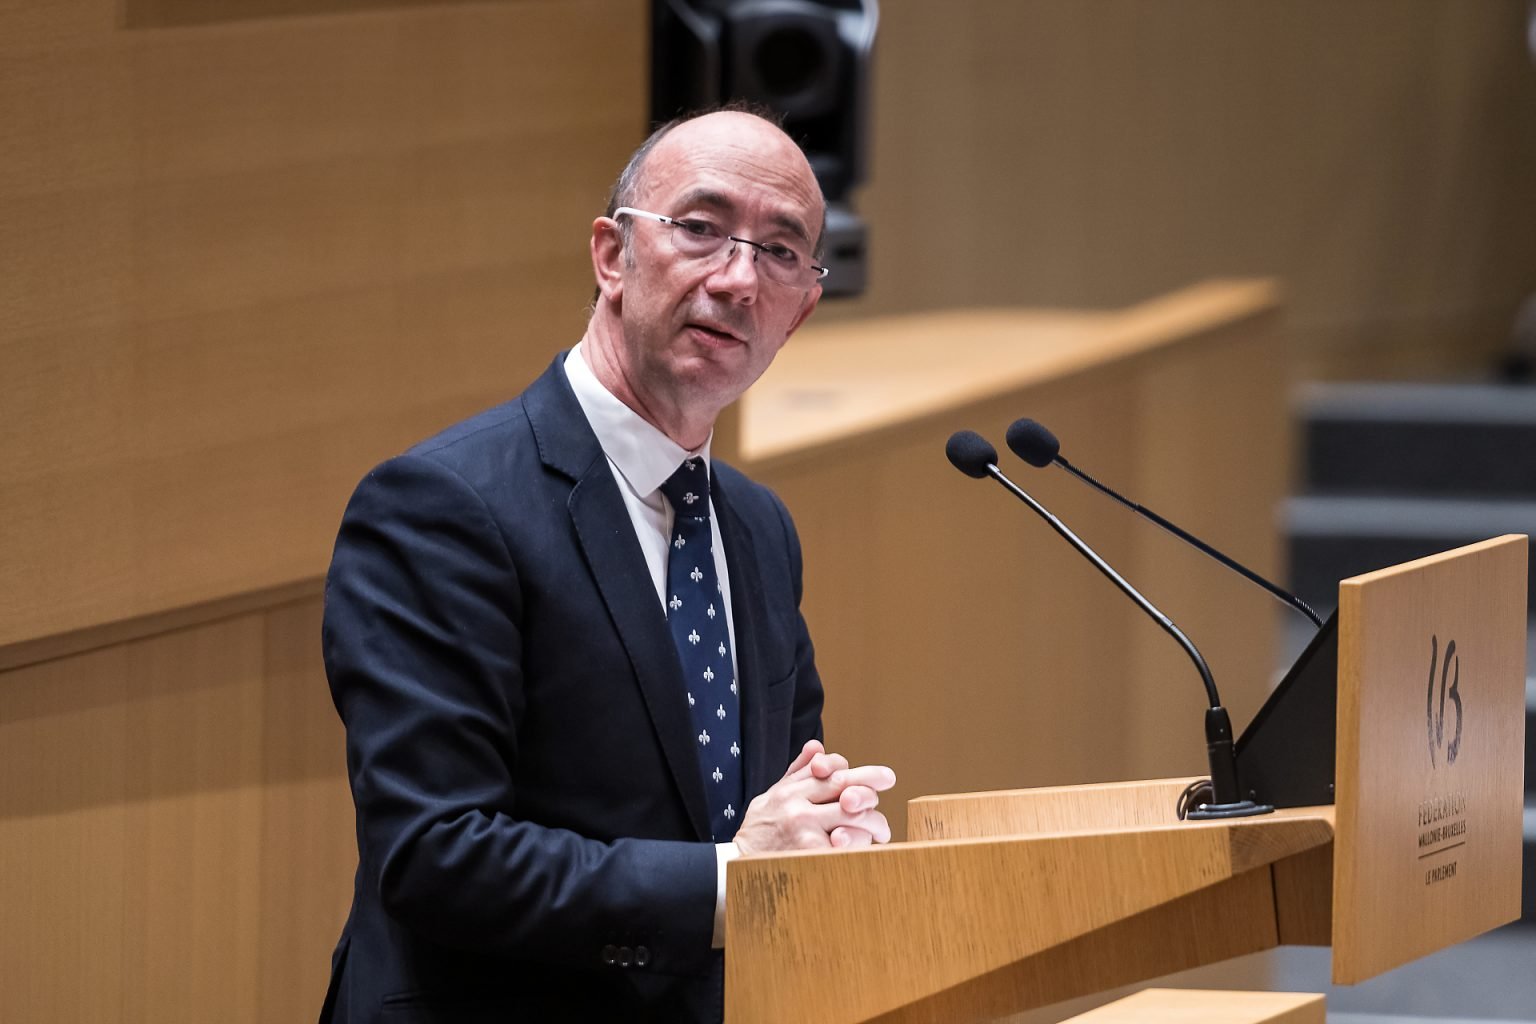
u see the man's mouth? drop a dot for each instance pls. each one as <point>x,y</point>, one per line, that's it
<point>719,333</point>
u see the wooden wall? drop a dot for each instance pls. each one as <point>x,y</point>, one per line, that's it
<point>175,837</point>
<point>246,250</point>
<point>1374,156</point>
<point>243,262</point>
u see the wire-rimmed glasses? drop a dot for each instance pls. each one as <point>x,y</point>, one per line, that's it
<point>702,239</point>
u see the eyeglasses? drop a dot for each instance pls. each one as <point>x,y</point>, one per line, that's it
<point>701,239</point>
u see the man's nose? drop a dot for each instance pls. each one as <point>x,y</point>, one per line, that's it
<point>737,276</point>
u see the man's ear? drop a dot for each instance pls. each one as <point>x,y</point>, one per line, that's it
<point>608,258</point>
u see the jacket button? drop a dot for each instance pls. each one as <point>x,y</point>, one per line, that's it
<point>610,954</point>
<point>642,956</point>
<point>626,956</point>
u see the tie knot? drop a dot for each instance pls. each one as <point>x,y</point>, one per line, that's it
<point>688,490</point>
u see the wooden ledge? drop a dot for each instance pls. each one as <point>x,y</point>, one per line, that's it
<point>1205,1006</point>
<point>106,634</point>
<point>848,381</point>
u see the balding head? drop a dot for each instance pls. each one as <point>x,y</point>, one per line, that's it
<point>752,128</point>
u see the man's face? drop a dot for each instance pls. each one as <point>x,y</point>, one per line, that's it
<point>699,332</point>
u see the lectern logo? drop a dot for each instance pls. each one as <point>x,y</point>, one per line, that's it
<point>1450,689</point>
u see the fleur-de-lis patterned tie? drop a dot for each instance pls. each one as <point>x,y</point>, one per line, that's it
<point>696,616</point>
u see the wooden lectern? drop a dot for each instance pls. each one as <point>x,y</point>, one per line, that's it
<point>1001,902</point>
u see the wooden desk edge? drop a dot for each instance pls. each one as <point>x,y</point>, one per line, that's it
<point>1134,333</point>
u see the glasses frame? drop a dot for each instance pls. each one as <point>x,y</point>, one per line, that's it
<point>757,247</point>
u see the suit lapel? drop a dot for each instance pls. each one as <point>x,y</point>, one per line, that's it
<point>567,444</point>
<point>748,613</point>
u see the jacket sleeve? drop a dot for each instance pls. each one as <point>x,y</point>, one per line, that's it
<point>424,655</point>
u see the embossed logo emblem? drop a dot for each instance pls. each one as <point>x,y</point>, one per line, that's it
<point>1449,672</point>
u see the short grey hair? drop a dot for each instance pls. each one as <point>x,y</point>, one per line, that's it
<point>627,187</point>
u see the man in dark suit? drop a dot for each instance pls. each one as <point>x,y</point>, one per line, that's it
<point>562,719</point>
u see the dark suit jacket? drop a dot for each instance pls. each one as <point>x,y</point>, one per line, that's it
<point>530,804</point>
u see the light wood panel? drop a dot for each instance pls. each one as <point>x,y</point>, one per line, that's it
<point>175,831</point>
<point>1200,931</point>
<point>306,842</point>
<point>1304,898</point>
<point>1431,740</point>
<point>242,263</point>
<point>1212,446</point>
<point>1046,809</point>
<point>1204,1006</point>
<point>124,631</point>
<point>239,263</point>
<point>972,928</point>
<point>1090,153</point>
<point>172,13</point>
<point>960,641</point>
<point>839,385</point>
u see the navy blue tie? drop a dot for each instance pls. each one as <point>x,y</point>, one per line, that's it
<point>696,616</point>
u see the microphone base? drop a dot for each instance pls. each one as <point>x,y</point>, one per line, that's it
<point>1240,809</point>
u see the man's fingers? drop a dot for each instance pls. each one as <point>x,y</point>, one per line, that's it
<point>810,750</point>
<point>876,777</point>
<point>848,837</point>
<point>858,798</point>
<point>875,824</point>
<point>824,765</point>
<point>820,765</point>
<point>832,819</point>
<point>819,802</point>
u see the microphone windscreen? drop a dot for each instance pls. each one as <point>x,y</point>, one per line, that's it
<point>970,453</point>
<point>1033,443</point>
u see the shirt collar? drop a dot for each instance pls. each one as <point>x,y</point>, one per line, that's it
<point>643,455</point>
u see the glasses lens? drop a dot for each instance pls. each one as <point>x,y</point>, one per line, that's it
<point>696,238</point>
<point>781,264</point>
<point>785,265</point>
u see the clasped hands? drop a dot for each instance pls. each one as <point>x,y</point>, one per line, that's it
<point>819,802</point>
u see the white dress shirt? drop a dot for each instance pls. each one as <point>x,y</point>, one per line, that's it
<point>642,458</point>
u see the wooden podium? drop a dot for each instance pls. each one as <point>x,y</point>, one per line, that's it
<point>1005,901</point>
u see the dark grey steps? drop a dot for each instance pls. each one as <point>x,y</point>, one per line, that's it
<point>1528,847</point>
<point>1408,1018</point>
<point>1528,853</point>
<point>1448,440</point>
<point>1488,978</point>
<point>1530,722</point>
<point>1333,537</point>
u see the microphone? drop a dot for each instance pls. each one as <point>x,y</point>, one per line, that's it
<point>971,454</point>
<point>975,456</point>
<point>1036,445</point>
